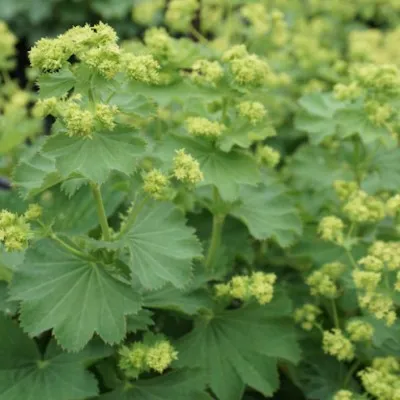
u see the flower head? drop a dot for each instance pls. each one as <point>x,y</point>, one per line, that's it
<point>204,71</point>
<point>331,229</point>
<point>337,345</point>
<point>199,126</point>
<point>155,184</point>
<point>186,168</point>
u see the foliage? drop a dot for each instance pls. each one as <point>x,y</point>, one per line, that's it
<point>215,211</point>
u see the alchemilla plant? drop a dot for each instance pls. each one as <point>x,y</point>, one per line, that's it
<point>214,213</point>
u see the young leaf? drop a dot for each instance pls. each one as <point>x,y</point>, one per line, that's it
<point>25,374</point>
<point>161,247</point>
<point>95,158</point>
<point>74,297</point>
<point>268,212</point>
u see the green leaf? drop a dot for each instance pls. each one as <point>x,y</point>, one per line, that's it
<point>384,171</point>
<point>133,104</point>
<point>161,247</point>
<point>95,158</point>
<point>24,374</point>
<point>139,322</point>
<point>35,173</point>
<point>177,385</point>
<point>317,116</point>
<point>268,212</point>
<point>224,170</point>
<point>184,301</point>
<point>239,347</point>
<point>74,297</point>
<point>56,84</point>
<point>76,215</point>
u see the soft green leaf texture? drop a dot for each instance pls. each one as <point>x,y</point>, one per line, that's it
<point>161,247</point>
<point>77,215</point>
<point>239,347</point>
<point>177,385</point>
<point>74,297</point>
<point>224,170</point>
<point>25,374</point>
<point>317,116</point>
<point>170,298</point>
<point>56,84</point>
<point>268,212</point>
<point>95,158</point>
<point>35,173</point>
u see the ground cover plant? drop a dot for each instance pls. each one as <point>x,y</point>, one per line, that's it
<point>208,210</point>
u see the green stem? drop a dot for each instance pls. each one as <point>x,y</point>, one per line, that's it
<point>351,258</point>
<point>132,216</point>
<point>218,223</point>
<point>198,35</point>
<point>69,248</point>
<point>350,373</point>
<point>101,212</point>
<point>335,314</point>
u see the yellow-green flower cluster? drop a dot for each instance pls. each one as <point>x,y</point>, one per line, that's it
<point>143,68</point>
<point>336,344</point>
<point>207,72</point>
<point>383,79</point>
<point>247,69</point>
<point>180,14</point>
<point>95,45</point>
<point>331,229</point>
<point>345,189</point>
<point>343,395</point>
<point>382,379</point>
<point>323,281</point>
<point>351,91</point>
<point>79,122</point>
<point>257,15</point>
<point>372,45</point>
<point>254,111</point>
<point>106,115</point>
<point>142,357</point>
<point>44,107</point>
<point>266,155</point>
<point>7,46</point>
<point>211,15</point>
<point>361,207</point>
<point>379,114</point>
<point>379,304</point>
<point>155,183</point>
<point>393,206</point>
<point>387,252</point>
<point>258,285</point>
<point>15,230</point>
<point>360,331</point>
<point>159,42</point>
<point>186,168</point>
<point>307,316</point>
<point>279,32</point>
<point>199,126</point>
<point>144,12</point>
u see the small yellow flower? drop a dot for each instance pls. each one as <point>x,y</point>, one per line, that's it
<point>331,229</point>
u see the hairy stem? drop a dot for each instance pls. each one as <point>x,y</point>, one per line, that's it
<point>101,212</point>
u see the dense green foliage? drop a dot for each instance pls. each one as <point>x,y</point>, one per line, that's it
<point>215,212</point>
